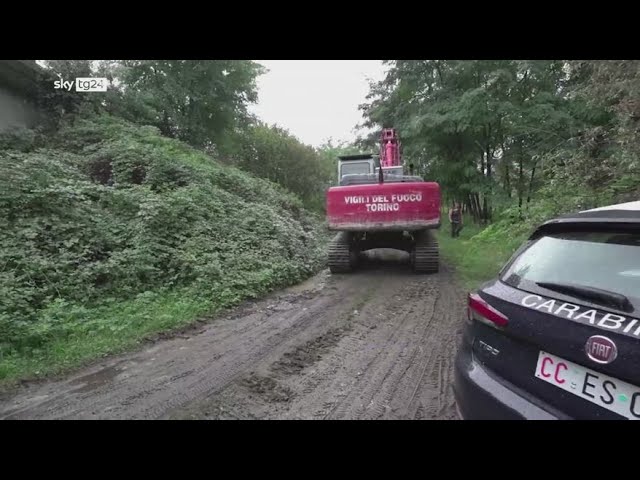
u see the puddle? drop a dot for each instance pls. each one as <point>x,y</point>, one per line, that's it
<point>313,284</point>
<point>97,379</point>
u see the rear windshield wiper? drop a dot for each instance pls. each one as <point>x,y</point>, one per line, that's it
<point>597,295</point>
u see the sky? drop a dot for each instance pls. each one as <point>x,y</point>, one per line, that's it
<point>316,99</point>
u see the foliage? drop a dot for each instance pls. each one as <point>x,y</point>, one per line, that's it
<point>271,152</point>
<point>106,211</point>
<point>201,102</point>
<point>477,127</point>
<point>195,101</point>
<point>517,142</point>
<point>330,151</point>
<point>476,258</point>
<point>61,102</point>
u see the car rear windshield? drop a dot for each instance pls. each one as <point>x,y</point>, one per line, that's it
<point>603,260</point>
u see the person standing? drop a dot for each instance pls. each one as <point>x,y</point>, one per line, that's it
<point>455,217</point>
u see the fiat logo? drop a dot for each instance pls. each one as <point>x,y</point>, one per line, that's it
<point>601,349</point>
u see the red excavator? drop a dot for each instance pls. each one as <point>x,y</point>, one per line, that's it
<point>376,205</point>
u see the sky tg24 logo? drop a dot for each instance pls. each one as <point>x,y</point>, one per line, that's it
<point>82,84</point>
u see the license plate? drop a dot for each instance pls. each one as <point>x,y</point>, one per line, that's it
<point>607,392</point>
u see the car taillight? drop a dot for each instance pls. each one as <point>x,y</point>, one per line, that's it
<point>481,311</point>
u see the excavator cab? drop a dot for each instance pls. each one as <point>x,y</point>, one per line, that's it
<point>355,165</point>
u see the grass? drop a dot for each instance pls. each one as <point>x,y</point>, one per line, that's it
<point>110,329</point>
<point>477,254</point>
<point>92,333</point>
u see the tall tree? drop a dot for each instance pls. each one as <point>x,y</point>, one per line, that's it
<point>477,127</point>
<point>198,101</point>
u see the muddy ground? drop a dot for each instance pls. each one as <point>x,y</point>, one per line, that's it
<point>376,344</point>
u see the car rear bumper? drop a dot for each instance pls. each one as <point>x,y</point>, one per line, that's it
<point>479,396</point>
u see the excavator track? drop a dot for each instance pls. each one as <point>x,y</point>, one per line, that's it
<point>341,256</point>
<point>425,255</point>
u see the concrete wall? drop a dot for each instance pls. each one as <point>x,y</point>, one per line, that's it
<point>16,110</point>
<point>19,81</point>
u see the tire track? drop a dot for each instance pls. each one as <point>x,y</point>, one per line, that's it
<point>437,386</point>
<point>354,404</point>
<point>375,344</point>
<point>142,396</point>
<point>390,367</point>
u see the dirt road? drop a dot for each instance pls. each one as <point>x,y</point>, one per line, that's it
<point>377,344</point>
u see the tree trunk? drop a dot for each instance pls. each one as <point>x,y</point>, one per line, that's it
<point>467,205</point>
<point>533,174</point>
<point>520,181</point>
<point>475,201</point>
<point>486,213</point>
<point>476,207</point>
<point>507,181</point>
<point>439,70</point>
<point>165,126</point>
<point>487,203</point>
<point>507,177</point>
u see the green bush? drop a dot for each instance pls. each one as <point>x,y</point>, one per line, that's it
<point>107,212</point>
